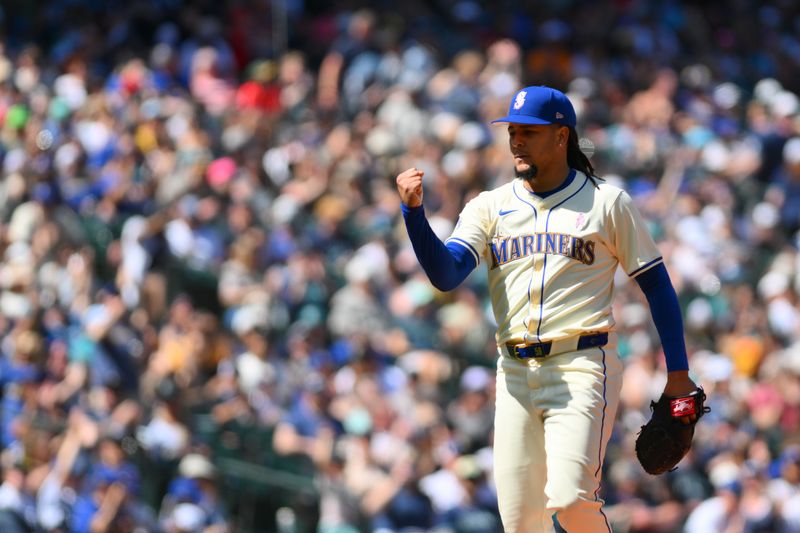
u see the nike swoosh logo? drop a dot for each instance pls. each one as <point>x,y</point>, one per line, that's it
<point>504,213</point>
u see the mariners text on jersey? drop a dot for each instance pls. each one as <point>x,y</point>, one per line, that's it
<point>507,249</point>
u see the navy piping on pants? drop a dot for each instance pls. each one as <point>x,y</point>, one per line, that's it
<point>602,428</point>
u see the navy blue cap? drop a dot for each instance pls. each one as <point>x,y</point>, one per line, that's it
<point>540,105</point>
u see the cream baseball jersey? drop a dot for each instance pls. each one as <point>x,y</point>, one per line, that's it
<point>552,260</point>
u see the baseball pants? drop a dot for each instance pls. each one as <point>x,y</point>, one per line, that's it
<point>553,419</point>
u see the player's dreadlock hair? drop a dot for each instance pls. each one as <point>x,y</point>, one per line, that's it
<point>577,159</point>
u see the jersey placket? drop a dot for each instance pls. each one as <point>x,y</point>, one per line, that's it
<point>537,279</point>
<point>546,209</point>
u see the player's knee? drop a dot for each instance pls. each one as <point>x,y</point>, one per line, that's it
<point>565,500</point>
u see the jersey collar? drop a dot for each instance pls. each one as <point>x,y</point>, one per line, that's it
<point>557,196</point>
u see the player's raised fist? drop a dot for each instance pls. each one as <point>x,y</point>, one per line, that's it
<point>409,185</point>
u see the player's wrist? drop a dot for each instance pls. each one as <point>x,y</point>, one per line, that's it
<point>408,209</point>
<point>678,374</point>
<point>679,383</point>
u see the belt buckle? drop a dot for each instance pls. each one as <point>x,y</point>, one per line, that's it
<point>537,348</point>
<point>513,350</point>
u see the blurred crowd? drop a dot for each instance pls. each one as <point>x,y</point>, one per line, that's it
<point>212,319</point>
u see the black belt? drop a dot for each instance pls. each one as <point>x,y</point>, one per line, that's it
<point>542,349</point>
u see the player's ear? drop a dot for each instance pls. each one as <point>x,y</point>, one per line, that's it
<point>562,136</point>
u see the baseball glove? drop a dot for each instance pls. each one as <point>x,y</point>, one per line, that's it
<point>666,438</point>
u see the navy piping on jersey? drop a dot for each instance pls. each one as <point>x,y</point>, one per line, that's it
<point>523,200</point>
<point>530,282</point>
<point>544,265</point>
<point>645,266</point>
<point>468,246</point>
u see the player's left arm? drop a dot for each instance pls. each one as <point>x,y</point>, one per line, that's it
<point>666,312</point>
<point>639,256</point>
<point>446,265</point>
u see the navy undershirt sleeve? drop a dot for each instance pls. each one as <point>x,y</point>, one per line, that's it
<point>446,266</point>
<point>666,312</point>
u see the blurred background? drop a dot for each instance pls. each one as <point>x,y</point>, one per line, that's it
<point>212,319</point>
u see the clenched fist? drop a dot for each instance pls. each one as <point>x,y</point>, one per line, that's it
<point>409,185</point>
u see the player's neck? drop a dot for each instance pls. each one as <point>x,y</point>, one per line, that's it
<point>547,181</point>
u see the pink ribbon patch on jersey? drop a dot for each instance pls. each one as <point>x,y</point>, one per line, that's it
<point>682,407</point>
<point>581,219</point>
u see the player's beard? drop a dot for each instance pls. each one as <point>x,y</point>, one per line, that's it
<point>529,174</point>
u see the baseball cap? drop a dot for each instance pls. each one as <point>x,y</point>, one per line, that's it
<point>540,105</point>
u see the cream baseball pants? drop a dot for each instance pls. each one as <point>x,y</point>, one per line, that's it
<point>553,419</point>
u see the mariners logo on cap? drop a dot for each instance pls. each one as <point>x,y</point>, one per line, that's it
<point>520,99</point>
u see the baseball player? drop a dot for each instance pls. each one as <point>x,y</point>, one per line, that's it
<point>552,239</point>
